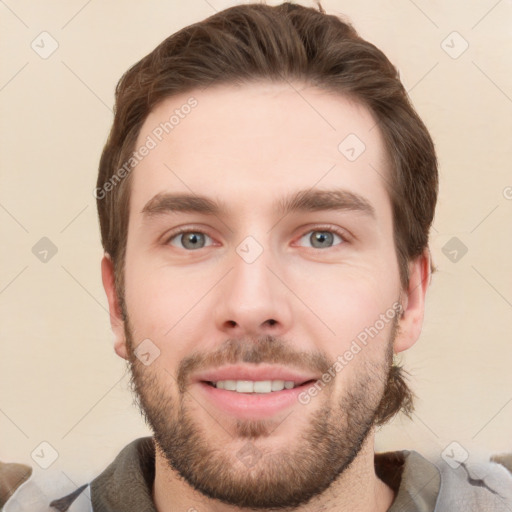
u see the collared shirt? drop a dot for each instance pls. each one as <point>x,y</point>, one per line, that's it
<point>419,485</point>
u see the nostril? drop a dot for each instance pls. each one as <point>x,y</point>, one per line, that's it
<point>271,321</point>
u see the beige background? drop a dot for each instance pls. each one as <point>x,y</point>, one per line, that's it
<point>60,380</point>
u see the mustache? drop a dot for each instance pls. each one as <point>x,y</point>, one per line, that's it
<point>265,349</point>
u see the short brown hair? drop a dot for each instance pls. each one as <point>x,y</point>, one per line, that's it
<point>253,42</point>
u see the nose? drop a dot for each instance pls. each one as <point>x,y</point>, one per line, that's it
<point>252,300</point>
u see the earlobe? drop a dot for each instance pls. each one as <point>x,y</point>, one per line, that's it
<point>116,316</point>
<point>411,321</point>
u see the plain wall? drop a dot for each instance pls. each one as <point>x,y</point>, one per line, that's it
<point>60,380</point>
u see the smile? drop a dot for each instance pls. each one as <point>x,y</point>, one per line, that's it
<point>250,386</point>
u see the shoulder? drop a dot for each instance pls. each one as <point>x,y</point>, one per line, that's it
<point>55,490</point>
<point>49,490</point>
<point>472,483</point>
<point>450,482</point>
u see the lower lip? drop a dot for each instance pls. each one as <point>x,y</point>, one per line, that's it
<point>252,405</point>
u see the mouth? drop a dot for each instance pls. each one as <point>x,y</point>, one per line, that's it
<point>257,386</point>
<point>252,392</point>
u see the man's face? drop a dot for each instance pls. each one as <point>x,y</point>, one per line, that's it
<point>270,281</point>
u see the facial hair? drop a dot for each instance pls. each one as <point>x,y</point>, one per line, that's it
<point>257,477</point>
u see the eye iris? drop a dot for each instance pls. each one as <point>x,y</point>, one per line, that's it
<point>321,239</point>
<point>190,240</point>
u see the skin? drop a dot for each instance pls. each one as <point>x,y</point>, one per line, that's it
<point>248,147</point>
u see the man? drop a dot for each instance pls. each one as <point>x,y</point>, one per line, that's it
<point>265,198</point>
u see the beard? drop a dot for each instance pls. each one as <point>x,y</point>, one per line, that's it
<point>248,474</point>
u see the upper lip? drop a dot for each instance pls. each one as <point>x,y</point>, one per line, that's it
<point>255,373</point>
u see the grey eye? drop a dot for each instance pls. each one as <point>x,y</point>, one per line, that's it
<point>321,239</point>
<point>189,240</point>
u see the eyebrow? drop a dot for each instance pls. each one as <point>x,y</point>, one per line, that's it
<point>310,200</point>
<point>316,200</point>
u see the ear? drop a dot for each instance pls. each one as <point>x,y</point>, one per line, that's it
<point>116,316</point>
<point>413,303</point>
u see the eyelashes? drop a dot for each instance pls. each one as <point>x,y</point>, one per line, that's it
<point>325,235</point>
<point>191,239</point>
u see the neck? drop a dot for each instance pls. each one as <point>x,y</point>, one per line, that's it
<point>357,489</point>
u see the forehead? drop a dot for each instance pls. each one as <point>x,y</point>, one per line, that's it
<point>249,145</point>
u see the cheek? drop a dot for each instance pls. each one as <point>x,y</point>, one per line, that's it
<point>363,361</point>
<point>346,301</point>
<point>359,309</point>
<point>165,305</point>
<point>150,303</point>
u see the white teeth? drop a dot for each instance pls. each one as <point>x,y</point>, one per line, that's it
<point>244,386</point>
<point>251,386</point>
<point>277,385</point>
<point>230,385</point>
<point>263,386</point>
